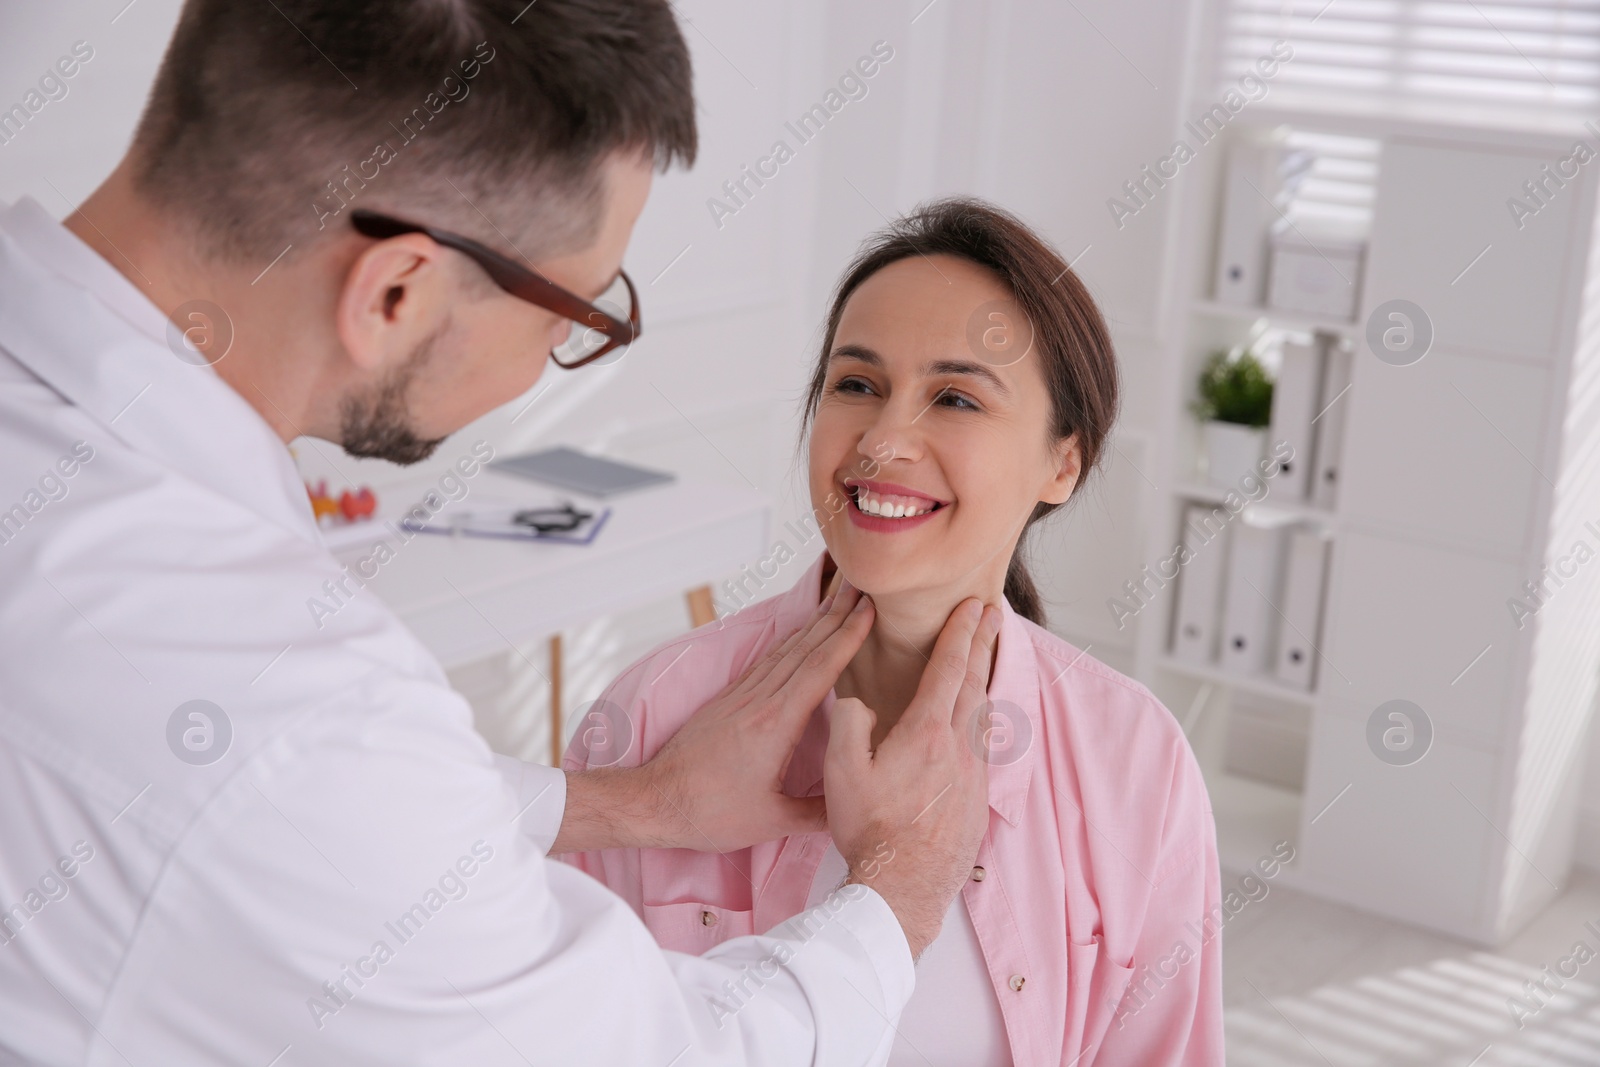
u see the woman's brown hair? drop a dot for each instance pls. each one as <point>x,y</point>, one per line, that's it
<point>1069,334</point>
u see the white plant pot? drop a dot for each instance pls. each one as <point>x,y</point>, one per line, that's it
<point>1232,451</point>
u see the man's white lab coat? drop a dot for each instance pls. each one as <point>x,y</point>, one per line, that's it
<point>319,862</point>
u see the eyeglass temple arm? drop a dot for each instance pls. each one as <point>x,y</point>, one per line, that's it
<point>516,279</point>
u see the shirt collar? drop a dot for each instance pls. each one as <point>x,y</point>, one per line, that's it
<point>1014,691</point>
<point>88,332</point>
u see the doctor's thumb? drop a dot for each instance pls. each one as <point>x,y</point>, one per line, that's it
<point>850,726</point>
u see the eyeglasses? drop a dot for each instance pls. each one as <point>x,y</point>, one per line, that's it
<point>598,329</point>
<point>551,520</point>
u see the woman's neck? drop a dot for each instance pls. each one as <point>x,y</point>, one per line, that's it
<point>888,667</point>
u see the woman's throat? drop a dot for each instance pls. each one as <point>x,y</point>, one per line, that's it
<point>887,670</point>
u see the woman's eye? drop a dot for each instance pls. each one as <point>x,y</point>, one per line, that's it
<point>951,399</point>
<point>851,385</point>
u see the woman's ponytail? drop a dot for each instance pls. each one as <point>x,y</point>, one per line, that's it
<point>1021,593</point>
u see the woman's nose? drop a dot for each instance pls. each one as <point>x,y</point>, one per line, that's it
<point>896,434</point>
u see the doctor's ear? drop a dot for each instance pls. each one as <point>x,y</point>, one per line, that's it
<point>1067,456</point>
<point>395,296</point>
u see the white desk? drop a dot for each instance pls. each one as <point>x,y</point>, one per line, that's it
<point>467,597</point>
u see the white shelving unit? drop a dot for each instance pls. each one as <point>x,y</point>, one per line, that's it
<point>1462,476</point>
<point>1289,320</point>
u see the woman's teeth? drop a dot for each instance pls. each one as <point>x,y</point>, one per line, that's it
<point>886,507</point>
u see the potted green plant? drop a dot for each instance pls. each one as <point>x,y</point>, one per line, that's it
<point>1235,405</point>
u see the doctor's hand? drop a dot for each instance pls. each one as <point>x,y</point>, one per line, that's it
<point>909,816</point>
<point>717,784</point>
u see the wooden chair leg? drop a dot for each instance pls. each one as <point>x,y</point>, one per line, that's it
<point>701,609</point>
<point>555,701</point>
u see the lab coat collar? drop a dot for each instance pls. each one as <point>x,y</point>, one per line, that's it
<point>88,332</point>
<point>59,250</point>
<point>1016,715</point>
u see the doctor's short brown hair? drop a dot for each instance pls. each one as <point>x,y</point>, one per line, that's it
<point>1076,358</point>
<point>269,122</point>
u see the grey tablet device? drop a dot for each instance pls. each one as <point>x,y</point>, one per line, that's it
<point>579,472</point>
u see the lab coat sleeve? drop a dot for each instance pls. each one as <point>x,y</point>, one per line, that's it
<point>364,895</point>
<point>541,798</point>
<point>619,868</point>
<point>1171,1013</point>
<point>654,704</point>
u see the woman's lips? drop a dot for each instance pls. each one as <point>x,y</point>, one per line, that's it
<point>886,507</point>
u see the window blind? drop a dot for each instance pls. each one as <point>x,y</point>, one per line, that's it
<point>1336,195</point>
<point>1505,62</point>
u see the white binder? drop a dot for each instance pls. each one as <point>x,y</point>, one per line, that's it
<point>1332,403</point>
<point>1249,596</point>
<point>1294,405</point>
<point>1261,177</point>
<point>1241,276</point>
<point>1305,564</point>
<point>1197,618</point>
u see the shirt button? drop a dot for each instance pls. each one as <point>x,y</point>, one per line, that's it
<point>1017,982</point>
<point>708,918</point>
<point>979,874</point>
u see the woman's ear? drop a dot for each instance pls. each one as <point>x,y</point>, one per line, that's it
<point>1068,460</point>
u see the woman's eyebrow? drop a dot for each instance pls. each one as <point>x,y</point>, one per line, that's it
<point>859,353</point>
<point>970,367</point>
<point>863,354</point>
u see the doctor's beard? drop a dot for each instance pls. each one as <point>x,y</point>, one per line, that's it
<point>377,423</point>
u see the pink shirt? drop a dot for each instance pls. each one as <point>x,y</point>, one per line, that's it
<point>1096,894</point>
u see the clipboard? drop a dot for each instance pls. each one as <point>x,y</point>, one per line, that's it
<point>497,524</point>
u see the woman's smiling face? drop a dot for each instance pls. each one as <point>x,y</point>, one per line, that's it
<point>934,426</point>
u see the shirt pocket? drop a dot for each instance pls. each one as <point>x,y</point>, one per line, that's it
<point>1095,984</point>
<point>693,927</point>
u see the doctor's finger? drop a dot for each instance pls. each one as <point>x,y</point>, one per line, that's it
<point>809,639</point>
<point>973,695</point>
<point>947,668</point>
<point>755,676</point>
<point>819,672</point>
